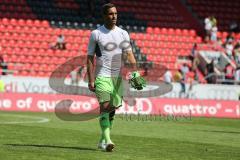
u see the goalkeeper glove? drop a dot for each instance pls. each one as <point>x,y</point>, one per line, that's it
<point>137,81</point>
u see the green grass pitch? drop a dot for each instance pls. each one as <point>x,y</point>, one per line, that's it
<point>21,138</point>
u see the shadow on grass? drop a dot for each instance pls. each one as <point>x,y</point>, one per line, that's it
<point>230,132</point>
<point>51,146</point>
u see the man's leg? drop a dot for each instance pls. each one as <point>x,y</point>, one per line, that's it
<point>103,92</point>
<point>105,125</point>
<point>104,121</point>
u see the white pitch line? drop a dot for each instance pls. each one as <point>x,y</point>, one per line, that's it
<point>38,119</point>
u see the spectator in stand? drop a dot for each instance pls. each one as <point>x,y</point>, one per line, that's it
<point>167,76</point>
<point>183,86</point>
<point>194,58</point>
<point>214,29</point>
<point>195,61</point>
<point>229,74</point>
<point>214,34</point>
<point>237,75</point>
<point>184,70</point>
<point>190,80</point>
<point>178,77</point>
<point>208,28</point>
<point>193,52</point>
<point>229,49</point>
<point>210,72</point>
<point>229,37</point>
<point>213,21</point>
<point>195,65</point>
<point>60,44</point>
<point>237,52</point>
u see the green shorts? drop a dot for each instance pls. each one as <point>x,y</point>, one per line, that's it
<point>109,89</point>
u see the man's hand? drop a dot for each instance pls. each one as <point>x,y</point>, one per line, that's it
<point>91,86</point>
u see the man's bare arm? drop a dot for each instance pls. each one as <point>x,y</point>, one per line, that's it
<point>90,72</point>
<point>131,59</point>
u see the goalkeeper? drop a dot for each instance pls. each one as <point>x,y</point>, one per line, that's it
<point>106,43</point>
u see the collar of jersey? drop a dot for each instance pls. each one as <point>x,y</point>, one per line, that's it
<point>109,29</point>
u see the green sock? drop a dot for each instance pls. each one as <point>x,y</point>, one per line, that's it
<point>106,133</point>
<point>105,126</point>
<point>102,139</point>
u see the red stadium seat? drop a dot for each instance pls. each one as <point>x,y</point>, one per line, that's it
<point>156,30</point>
<point>150,30</point>
<point>30,23</point>
<point>171,31</point>
<point>13,22</point>
<point>164,31</point>
<point>192,32</point>
<point>23,73</point>
<point>5,21</point>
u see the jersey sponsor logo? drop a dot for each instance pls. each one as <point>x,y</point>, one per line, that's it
<point>111,46</point>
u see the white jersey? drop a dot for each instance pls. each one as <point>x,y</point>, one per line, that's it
<point>168,77</point>
<point>108,45</point>
<point>208,24</point>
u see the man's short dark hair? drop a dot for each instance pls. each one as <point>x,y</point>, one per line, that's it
<point>106,6</point>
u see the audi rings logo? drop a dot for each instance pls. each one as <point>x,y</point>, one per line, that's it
<point>57,78</point>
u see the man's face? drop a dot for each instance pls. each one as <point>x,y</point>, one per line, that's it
<point>111,16</point>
